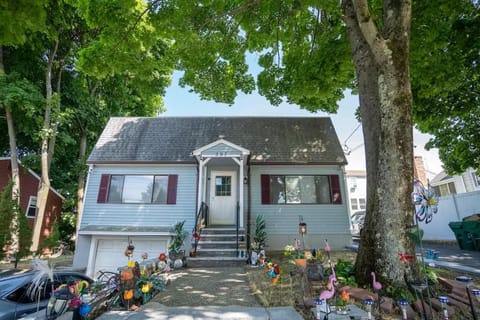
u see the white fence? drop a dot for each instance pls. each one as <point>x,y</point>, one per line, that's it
<point>451,208</point>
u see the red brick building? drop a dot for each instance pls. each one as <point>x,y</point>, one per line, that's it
<point>29,182</point>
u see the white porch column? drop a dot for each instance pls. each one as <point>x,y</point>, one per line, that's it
<point>201,181</point>
<point>240,189</point>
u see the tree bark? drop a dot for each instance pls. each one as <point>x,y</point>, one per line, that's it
<point>381,63</point>
<point>44,186</point>
<point>81,177</point>
<point>12,139</point>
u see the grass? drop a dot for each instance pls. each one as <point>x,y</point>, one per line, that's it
<point>289,292</point>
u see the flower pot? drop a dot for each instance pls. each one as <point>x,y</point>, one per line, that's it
<point>301,263</point>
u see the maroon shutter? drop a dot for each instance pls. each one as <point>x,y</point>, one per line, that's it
<point>103,190</point>
<point>265,181</point>
<point>335,189</point>
<point>172,189</point>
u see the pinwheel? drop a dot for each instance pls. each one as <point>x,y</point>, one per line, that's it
<point>427,201</point>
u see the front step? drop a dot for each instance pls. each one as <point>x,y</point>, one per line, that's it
<point>218,247</point>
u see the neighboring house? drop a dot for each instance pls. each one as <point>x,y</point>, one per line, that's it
<point>146,174</point>
<point>445,184</point>
<point>357,189</point>
<point>29,182</point>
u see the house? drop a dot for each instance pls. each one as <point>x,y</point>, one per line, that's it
<point>29,182</point>
<point>146,174</point>
<point>445,184</point>
<point>357,189</point>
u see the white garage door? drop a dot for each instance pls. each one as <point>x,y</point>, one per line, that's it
<point>111,251</point>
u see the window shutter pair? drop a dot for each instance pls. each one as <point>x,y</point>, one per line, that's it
<point>105,183</point>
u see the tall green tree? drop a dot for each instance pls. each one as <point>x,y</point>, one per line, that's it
<point>17,20</point>
<point>446,79</point>
<point>7,213</point>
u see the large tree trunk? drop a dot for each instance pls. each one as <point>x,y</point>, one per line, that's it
<point>44,186</point>
<point>12,139</point>
<point>381,64</point>
<point>81,177</point>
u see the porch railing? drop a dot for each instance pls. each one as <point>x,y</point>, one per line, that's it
<point>200,223</point>
<point>238,224</point>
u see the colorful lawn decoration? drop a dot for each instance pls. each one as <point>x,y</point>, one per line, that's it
<point>427,201</point>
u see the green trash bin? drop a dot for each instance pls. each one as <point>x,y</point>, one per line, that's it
<point>464,237</point>
<point>472,232</point>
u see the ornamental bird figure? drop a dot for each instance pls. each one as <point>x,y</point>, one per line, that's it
<point>377,286</point>
<point>328,294</point>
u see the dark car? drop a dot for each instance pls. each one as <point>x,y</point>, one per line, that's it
<point>16,303</point>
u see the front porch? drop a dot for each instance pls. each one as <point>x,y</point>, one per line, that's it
<point>220,232</point>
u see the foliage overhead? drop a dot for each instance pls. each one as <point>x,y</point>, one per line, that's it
<point>445,75</point>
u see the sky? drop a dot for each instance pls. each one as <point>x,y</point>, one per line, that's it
<point>180,102</point>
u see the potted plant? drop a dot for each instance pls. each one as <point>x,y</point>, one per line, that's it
<point>175,250</point>
<point>296,254</point>
<point>259,239</point>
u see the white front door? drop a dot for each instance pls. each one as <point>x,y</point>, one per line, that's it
<point>223,197</point>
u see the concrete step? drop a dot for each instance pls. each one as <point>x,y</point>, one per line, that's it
<point>223,230</point>
<point>220,237</point>
<point>195,262</point>
<point>212,253</point>
<point>219,245</point>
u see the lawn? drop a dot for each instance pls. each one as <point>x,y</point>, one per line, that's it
<point>290,292</point>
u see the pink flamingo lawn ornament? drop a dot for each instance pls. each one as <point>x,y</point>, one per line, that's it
<point>377,286</point>
<point>327,295</point>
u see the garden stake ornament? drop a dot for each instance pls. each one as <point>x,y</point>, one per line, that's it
<point>444,300</point>
<point>427,201</point>
<point>403,305</point>
<point>368,307</point>
<point>468,281</point>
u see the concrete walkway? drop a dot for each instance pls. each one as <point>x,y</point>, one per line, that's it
<point>206,293</point>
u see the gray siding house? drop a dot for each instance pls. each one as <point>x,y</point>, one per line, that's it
<point>146,174</point>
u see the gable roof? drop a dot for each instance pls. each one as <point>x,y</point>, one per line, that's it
<point>5,162</point>
<point>173,139</point>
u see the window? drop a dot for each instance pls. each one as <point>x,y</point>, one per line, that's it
<point>353,203</point>
<point>362,203</point>
<point>291,189</point>
<point>475,179</point>
<point>32,207</point>
<point>223,186</point>
<point>446,189</point>
<point>159,189</point>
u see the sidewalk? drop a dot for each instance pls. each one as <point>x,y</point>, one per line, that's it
<point>452,257</point>
<point>156,311</point>
<point>449,256</point>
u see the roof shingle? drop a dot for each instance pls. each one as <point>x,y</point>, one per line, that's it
<point>172,139</point>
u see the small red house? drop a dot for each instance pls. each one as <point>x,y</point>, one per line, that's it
<point>29,182</point>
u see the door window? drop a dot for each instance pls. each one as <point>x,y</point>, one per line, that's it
<point>223,186</point>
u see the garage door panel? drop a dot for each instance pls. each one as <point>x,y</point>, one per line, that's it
<point>111,251</point>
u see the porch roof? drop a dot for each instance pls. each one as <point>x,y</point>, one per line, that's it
<point>272,140</point>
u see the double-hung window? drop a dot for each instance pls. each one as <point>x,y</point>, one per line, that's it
<point>301,189</point>
<point>142,189</point>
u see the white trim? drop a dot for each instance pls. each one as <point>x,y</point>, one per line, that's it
<point>91,256</point>
<point>199,151</point>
